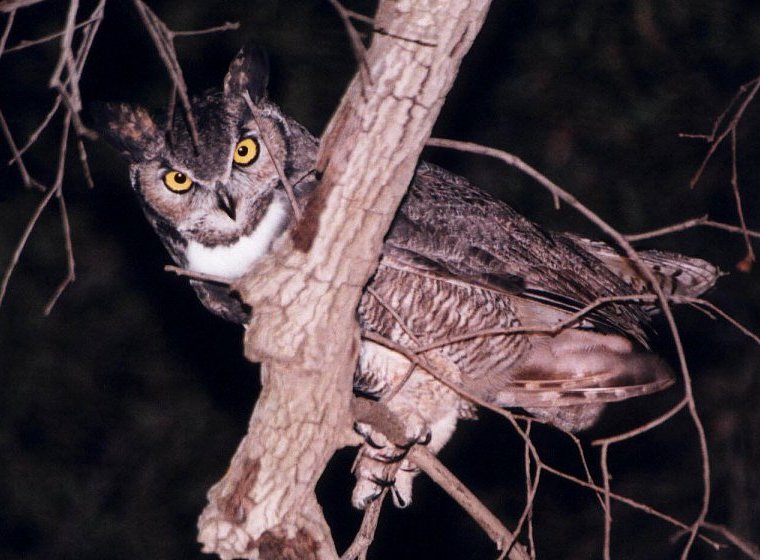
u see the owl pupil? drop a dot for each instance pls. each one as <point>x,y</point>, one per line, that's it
<point>242,151</point>
<point>180,178</point>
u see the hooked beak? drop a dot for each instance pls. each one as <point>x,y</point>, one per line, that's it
<point>225,201</point>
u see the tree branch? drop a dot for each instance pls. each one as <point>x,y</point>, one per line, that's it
<point>305,294</point>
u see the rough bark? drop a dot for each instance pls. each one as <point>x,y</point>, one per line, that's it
<point>305,294</point>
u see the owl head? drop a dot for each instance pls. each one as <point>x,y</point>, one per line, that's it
<point>217,203</point>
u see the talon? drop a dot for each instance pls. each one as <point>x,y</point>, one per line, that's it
<point>389,458</point>
<point>423,439</point>
<point>398,499</point>
<point>372,443</point>
<point>382,482</point>
<point>426,438</point>
<point>372,497</point>
<point>361,429</point>
<point>364,501</point>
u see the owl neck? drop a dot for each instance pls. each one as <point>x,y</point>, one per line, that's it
<point>233,260</point>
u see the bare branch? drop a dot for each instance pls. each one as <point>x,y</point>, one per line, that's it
<point>197,275</point>
<point>358,48</point>
<point>432,467</point>
<point>226,26</point>
<point>748,548</point>
<point>23,240</point>
<point>689,224</point>
<point>745,265</point>
<point>716,139</point>
<point>25,177</point>
<point>162,38</point>
<point>25,44</point>
<point>7,31</point>
<point>13,5</point>
<point>366,534</point>
<point>297,212</point>
<point>58,187</point>
<point>644,428</point>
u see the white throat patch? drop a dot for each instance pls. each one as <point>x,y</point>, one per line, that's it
<point>232,261</point>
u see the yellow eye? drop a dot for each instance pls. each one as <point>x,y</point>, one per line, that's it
<point>177,182</point>
<point>246,151</point>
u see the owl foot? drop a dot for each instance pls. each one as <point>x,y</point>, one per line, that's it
<point>388,451</point>
<point>382,464</point>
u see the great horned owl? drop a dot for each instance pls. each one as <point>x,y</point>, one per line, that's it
<point>455,261</point>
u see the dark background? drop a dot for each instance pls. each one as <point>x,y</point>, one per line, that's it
<point>120,409</point>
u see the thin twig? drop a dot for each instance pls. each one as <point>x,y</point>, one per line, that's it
<point>58,188</point>
<point>745,546</point>
<point>689,224</point>
<point>357,47</point>
<point>297,212</point>
<point>25,177</point>
<point>226,26</point>
<point>716,139</point>
<point>162,38</point>
<point>607,506</point>
<point>745,265</point>
<point>197,275</point>
<point>531,489</point>
<point>366,533</point>
<point>25,44</point>
<point>70,263</point>
<point>22,241</point>
<point>6,32</point>
<point>425,460</point>
<point>644,428</point>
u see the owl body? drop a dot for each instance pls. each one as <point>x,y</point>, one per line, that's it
<point>455,262</point>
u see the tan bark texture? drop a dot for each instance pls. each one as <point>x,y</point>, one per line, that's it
<point>304,296</point>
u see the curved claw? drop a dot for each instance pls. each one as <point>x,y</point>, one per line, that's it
<point>382,482</point>
<point>423,439</point>
<point>372,443</point>
<point>388,458</point>
<point>400,501</point>
<point>361,428</point>
<point>365,430</point>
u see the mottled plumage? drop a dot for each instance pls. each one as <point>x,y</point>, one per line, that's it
<point>456,261</point>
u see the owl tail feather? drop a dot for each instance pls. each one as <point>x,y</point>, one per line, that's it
<point>567,379</point>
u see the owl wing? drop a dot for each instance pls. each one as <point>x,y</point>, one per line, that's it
<point>468,234</point>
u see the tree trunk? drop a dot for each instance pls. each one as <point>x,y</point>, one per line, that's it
<point>305,294</point>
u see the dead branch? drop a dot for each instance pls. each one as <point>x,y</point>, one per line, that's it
<point>689,224</point>
<point>6,32</point>
<point>748,548</point>
<point>163,39</point>
<point>366,534</point>
<point>357,47</point>
<point>431,466</point>
<point>745,265</point>
<point>297,211</point>
<point>23,240</point>
<point>746,95</point>
<point>13,5</point>
<point>25,177</point>
<point>58,187</point>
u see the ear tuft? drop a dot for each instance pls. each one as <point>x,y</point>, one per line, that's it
<point>249,71</point>
<point>130,129</point>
